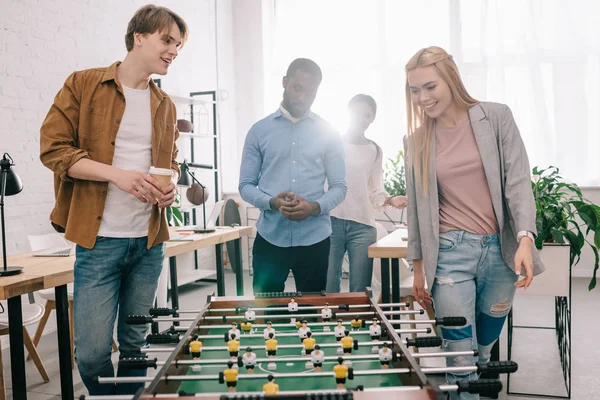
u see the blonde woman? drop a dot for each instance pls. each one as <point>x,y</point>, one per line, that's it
<point>471,212</point>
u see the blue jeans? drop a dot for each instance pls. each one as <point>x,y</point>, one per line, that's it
<point>355,238</point>
<point>116,273</point>
<point>472,281</point>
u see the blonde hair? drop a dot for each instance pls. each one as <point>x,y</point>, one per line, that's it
<point>420,125</point>
<point>149,19</point>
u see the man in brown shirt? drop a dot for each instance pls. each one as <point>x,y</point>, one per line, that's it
<point>106,128</point>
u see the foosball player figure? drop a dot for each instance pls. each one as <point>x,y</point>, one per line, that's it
<point>233,331</point>
<point>326,316</point>
<point>249,315</point>
<point>303,330</point>
<point>339,330</point>
<point>385,355</point>
<point>231,377</point>
<point>234,346</point>
<point>195,348</point>
<point>271,345</point>
<point>317,357</point>
<point>298,324</point>
<point>292,309</point>
<point>356,323</point>
<point>341,372</point>
<point>375,332</point>
<point>347,343</point>
<point>270,388</point>
<point>246,326</point>
<point>249,360</point>
<point>309,344</point>
<point>267,330</point>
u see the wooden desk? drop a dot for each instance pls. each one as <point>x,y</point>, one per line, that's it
<point>392,247</point>
<point>40,273</point>
<point>56,272</point>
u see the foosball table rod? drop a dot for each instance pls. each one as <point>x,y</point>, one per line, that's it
<point>144,363</point>
<point>482,386</point>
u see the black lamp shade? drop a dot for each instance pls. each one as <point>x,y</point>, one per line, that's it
<point>13,183</point>
<point>184,179</point>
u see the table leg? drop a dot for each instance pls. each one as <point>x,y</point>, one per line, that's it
<point>385,280</point>
<point>17,351</point>
<point>239,274</point>
<point>174,284</point>
<point>64,342</point>
<point>220,270</point>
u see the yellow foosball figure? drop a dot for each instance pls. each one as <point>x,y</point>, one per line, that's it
<point>356,323</point>
<point>195,347</point>
<point>270,388</point>
<point>246,326</point>
<point>271,345</point>
<point>341,372</point>
<point>347,343</point>
<point>234,346</point>
<point>231,376</point>
<point>309,343</point>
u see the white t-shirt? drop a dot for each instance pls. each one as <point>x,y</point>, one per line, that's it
<point>124,215</point>
<point>364,178</point>
<point>339,331</point>
<point>375,330</point>
<point>250,315</point>
<point>326,313</point>
<point>266,332</point>
<point>385,355</point>
<point>293,307</point>
<point>317,356</point>
<point>249,360</point>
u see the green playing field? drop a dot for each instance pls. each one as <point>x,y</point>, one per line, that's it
<point>299,367</point>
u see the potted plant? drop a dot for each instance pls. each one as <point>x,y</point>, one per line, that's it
<point>393,175</point>
<point>174,216</point>
<point>564,216</point>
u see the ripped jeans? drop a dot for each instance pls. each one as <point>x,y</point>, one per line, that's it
<point>472,281</point>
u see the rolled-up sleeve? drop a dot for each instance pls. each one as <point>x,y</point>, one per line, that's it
<point>58,143</point>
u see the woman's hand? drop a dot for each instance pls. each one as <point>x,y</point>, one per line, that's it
<point>524,258</point>
<point>420,294</point>
<point>398,201</point>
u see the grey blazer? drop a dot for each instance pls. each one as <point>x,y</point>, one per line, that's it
<point>509,179</point>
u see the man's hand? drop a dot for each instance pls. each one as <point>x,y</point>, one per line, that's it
<point>524,258</point>
<point>140,185</point>
<point>287,199</point>
<point>302,210</point>
<point>168,196</point>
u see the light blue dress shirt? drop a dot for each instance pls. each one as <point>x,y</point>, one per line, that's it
<point>280,156</point>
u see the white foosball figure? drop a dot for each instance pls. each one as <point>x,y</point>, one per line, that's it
<point>269,329</point>
<point>317,357</point>
<point>303,330</point>
<point>233,331</point>
<point>326,316</point>
<point>249,360</point>
<point>375,332</point>
<point>292,308</point>
<point>385,356</point>
<point>249,315</point>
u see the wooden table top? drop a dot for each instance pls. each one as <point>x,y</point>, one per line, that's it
<point>49,272</point>
<point>393,245</point>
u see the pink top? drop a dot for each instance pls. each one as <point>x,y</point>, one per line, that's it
<point>464,195</point>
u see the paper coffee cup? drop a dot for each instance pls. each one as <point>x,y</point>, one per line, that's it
<point>162,175</point>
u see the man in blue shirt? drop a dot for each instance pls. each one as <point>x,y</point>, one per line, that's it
<point>287,158</point>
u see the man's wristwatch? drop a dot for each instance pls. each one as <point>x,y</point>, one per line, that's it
<point>523,234</point>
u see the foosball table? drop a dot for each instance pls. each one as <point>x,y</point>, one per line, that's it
<point>296,346</point>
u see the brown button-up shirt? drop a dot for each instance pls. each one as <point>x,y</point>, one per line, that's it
<point>83,123</point>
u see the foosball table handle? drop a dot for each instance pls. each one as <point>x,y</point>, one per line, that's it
<point>221,377</point>
<point>162,338</point>
<point>137,363</point>
<point>486,387</point>
<point>430,341</point>
<point>355,344</point>
<point>351,373</point>
<point>498,367</point>
<point>163,312</point>
<point>451,321</point>
<point>138,319</point>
